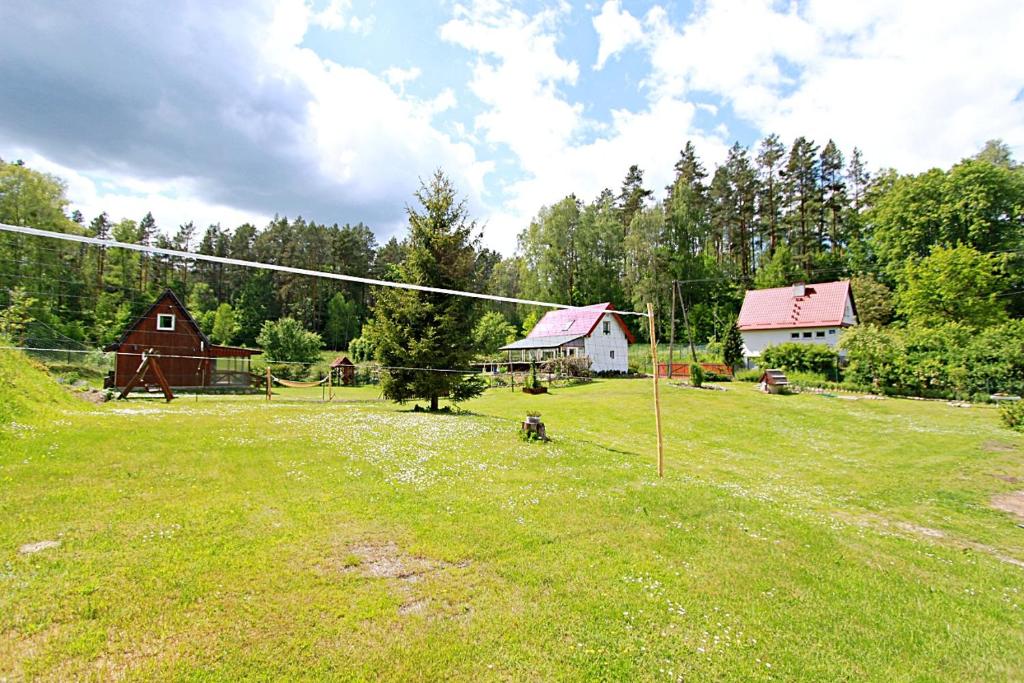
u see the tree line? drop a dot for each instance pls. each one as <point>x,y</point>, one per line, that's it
<point>943,245</point>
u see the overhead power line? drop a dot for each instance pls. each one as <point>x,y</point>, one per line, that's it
<point>35,232</point>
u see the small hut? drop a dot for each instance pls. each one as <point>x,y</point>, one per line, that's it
<point>773,382</point>
<point>344,371</point>
<point>187,357</point>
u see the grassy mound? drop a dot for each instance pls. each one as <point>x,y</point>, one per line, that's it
<point>27,390</point>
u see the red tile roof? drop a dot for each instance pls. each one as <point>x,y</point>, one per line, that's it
<point>581,321</point>
<point>821,305</point>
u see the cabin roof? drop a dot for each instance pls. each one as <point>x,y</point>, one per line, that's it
<point>138,321</point>
<point>215,350</point>
<point>819,305</point>
<point>578,322</point>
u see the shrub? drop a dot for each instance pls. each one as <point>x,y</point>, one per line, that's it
<point>286,340</point>
<point>696,374</point>
<point>792,357</point>
<point>360,349</point>
<point>1013,415</point>
<point>715,377</point>
<point>749,375</point>
<point>578,366</point>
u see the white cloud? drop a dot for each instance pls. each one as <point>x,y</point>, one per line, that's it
<point>262,122</point>
<point>517,75</point>
<point>172,201</point>
<point>337,16</point>
<point>914,84</point>
<point>398,77</point>
<point>617,31</point>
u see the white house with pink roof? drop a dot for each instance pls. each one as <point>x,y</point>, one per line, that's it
<point>802,314</point>
<point>596,331</point>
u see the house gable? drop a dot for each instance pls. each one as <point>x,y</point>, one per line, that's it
<point>185,329</point>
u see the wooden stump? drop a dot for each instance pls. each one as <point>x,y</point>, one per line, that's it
<point>536,428</point>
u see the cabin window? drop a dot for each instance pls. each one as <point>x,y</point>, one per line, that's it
<point>612,353</point>
<point>807,335</point>
<point>607,327</point>
<point>165,321</point>
<point>820,333</point>
<point>794,335</point>
<point>831,331</point>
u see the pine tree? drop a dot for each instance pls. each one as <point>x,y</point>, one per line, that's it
<point>632,197</point>
<point>147,229</point>
<point>833,191</point>
<point>100,229</point>
<point>415,329</point>
<point>769,164</point>
<point>803,201</point>
<point>686,206</point>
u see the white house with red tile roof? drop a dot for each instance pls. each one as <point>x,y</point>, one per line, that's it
<point>595,331</point>
<point>804,314</point>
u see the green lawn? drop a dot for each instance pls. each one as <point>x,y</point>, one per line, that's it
<point>792,538</point>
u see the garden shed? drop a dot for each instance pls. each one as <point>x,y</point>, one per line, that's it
<point>187,357</point>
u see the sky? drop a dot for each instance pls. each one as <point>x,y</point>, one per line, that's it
<point>226,111</point>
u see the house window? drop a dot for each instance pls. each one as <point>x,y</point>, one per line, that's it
<point>807,335</point>
<point>165,321</point>
<point>831,331</point>
<point>794,335</point>
<point>612,353</point>
<point>820,333</point>
<point>607,327</point>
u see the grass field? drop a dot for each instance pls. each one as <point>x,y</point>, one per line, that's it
<point>792,538</point>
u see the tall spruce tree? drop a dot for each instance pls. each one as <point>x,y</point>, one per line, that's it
<point>414,329</point>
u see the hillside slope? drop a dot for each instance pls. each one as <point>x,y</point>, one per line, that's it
<point>27,390</point>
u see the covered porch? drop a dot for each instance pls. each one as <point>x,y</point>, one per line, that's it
<point>537,349</point>
<point>231,366</point>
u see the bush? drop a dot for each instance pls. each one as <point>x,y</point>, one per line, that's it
<point>790,357</point>
<point>749,375</point>
<point>286,340</point>
<point>715,377</point>
<point>578,366</point>
<point>945,361</point>
<point>696,374</point>
<point>1013,415</point>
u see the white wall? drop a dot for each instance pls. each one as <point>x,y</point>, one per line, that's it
<point>756,341</point>
<point>848,317</point>
<point>599,346</point>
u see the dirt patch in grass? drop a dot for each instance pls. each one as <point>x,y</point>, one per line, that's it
<point>998,447</point>
<point>1010,502</point>
<point>38,546</point>
<point>384,560</point>
<point>413,607</point>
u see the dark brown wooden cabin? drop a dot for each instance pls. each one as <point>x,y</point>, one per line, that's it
<point>188,358</point>
<point>344,371</point>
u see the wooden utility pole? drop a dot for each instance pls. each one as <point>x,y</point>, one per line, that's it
<point>686,324</point>
<point>657,397</point>
<point>672,331</point>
